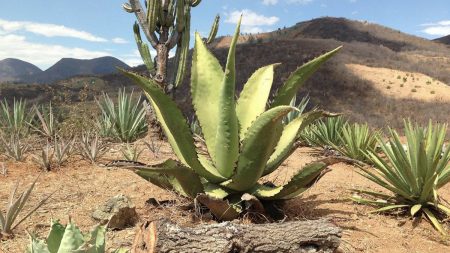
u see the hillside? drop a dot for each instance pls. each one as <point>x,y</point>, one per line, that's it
<point>69,67</point>
<point>364,81</point>
<point>445,39</point>
<point>13,69</point>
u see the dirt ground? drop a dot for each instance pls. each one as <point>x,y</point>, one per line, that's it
<point>80,187</point>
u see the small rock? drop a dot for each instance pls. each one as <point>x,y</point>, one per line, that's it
<point>118,212</point>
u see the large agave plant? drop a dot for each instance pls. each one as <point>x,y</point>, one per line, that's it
<point>413,176</point>
<point>244,140</point>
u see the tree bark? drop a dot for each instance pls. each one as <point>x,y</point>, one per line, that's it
<point>296,236</point>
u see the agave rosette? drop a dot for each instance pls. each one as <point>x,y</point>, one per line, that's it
<point>245,139</point>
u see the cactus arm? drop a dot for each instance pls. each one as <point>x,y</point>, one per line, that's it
<point>194,3</point>
<point>144,51</point>
<point>206,79</point>
<point>174,125</point>
<point>214,29</point>
<point>182,62</point>
<point>142,19</point>
<point>227,138</point>
<point>181,12</point>
<point>153,8</point>
<point>257,147</point>
<point>285,145</point>
<point>253,98</point>
<point>289,89</point>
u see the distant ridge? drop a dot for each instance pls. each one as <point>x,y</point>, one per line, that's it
<point>69,67</point>
<point>445,39</point>
<point>13,69</point>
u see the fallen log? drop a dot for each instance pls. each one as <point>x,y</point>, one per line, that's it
<point>295,236</point>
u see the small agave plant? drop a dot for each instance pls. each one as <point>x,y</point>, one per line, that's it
<point>245,140</point>
<point>69,238</point>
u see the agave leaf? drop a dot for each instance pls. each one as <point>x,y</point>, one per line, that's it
<point>55,236</point>
<point>174,125</point>
<point>95,243</point>
<point>364,201</point>
<point>301,181</point>
<point>180,178</point>
<point>206,80</point>
<point>373,193</point>
<point>215,191</point>
<point>227,139</point>
<point>37,246</point>
<point>444,209</point>
<point>415,209</point>
<point>253,98</point>
<point>257,147</point>
<point>388,208</point>
<point>288,137</point>
<point>298,78</point>
<point>72,239</point>
<point>434,221</point>
<point>223,209</point>
<point>2,220</point>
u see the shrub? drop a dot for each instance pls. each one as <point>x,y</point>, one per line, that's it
<point>14,208</point>
<point>126,120</point>
<point>46,125</point>
<point>301,106</point>
<point>413,176</point>
<point>325,132</point>
<point>131,153</point>
<point>14,147</point>
<point>92,147</point>
<point>356,141</point>
<point>244,140</point>
<point>15,120</point>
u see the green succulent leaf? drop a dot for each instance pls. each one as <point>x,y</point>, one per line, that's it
<point>95,243</point>
<point>71,240</point>
<point>37,246</point>
<point>415,209</point>
<point>206,80</point>
<point>216,191</point>
<point>434,221</point>
<point>288,137</point>
<point>257,147</point>
<point>298,78</point>
<point>253,98</point>
<point>227,126</point>
<point>300,182</point>
<point>388,208</point>
<point>174,125</point>
<point>55,236</point>
<point>180,178</point>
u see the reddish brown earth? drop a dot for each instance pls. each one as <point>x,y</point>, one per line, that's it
<point>80,187</point>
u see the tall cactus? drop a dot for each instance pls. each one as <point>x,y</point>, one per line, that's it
<point>166,25</point>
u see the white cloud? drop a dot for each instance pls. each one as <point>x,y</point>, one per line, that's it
<point>43,55</point>
<point>119,41</point>
<point>270,2</point>
<point>251,21</point>
<point>441,28</point>
<point>48,30</point>
<point>303,2</point>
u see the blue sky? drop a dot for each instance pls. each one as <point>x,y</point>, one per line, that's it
<point>44,31</point>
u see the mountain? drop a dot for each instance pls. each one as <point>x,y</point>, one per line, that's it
<point>380,76</point>
<point>12,69</point>
<point>445,39</point>
<point>69,67</point>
